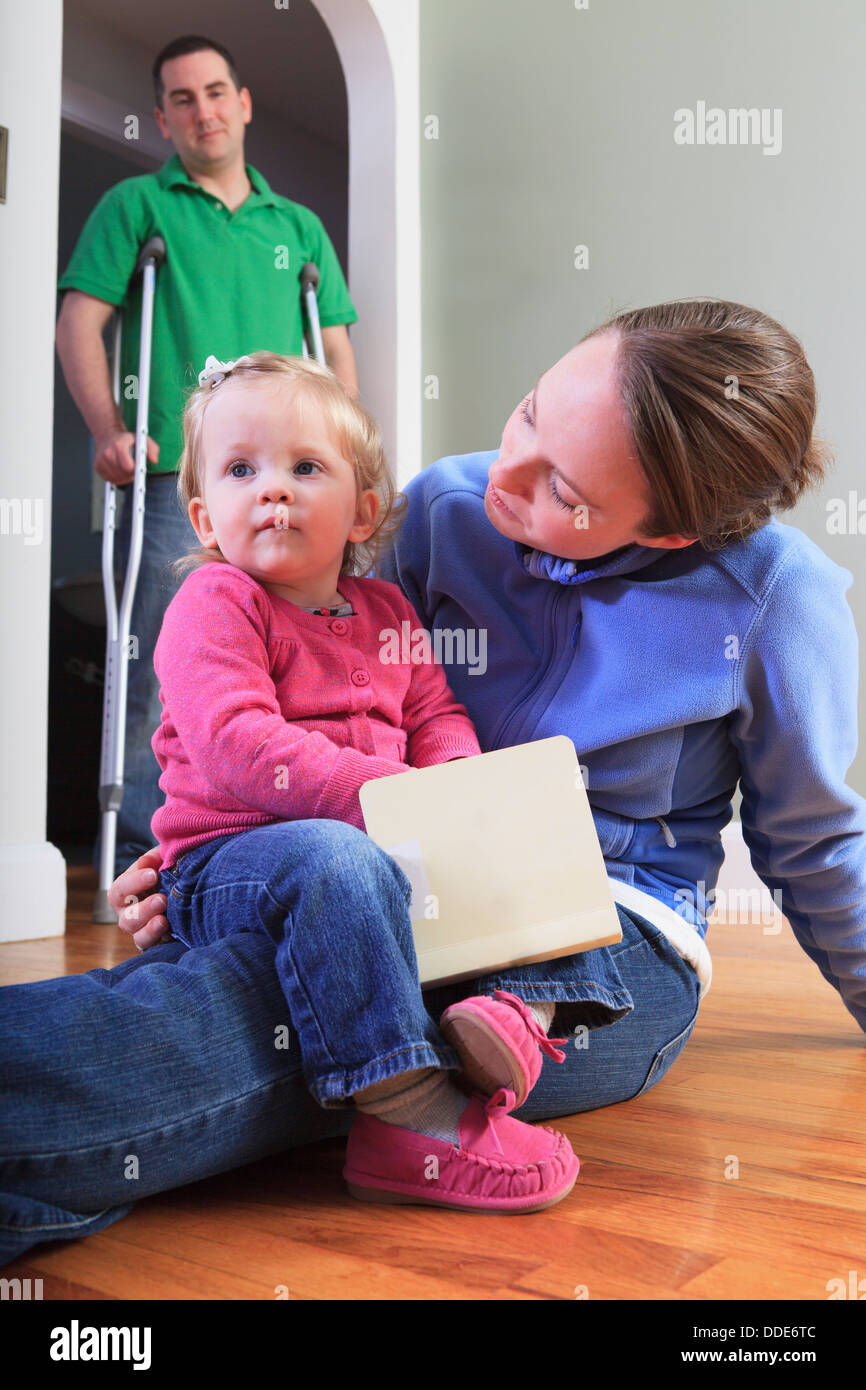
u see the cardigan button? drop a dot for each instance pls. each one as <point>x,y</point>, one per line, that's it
<point>360,678</point>
<point>339,626</point>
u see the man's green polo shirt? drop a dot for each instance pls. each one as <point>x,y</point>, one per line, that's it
<point>229,284</point>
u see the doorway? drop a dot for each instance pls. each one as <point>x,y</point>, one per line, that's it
<point>298,140</point>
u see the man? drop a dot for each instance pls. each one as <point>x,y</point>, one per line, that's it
<point>229,286</point>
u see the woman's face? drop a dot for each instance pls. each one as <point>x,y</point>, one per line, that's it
<point>567,480</point>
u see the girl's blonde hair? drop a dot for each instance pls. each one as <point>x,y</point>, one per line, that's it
<point>355,431</point>
<point>720,403</point>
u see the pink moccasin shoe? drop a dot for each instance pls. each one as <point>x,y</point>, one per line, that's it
<point>502,1164</point>
<point>499,1042</point>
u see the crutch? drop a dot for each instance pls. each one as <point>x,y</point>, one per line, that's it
<point>309,284</point>
<point>117,622</point>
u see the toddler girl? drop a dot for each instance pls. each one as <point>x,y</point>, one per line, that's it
<point>276,710</point>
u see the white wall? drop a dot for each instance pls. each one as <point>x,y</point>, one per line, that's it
<point>32,881</point>
<point>556,128</point>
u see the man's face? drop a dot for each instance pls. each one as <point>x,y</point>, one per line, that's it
<point>567,480</point>
<point>203,112</point>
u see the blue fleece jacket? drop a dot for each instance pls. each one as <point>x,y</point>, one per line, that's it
<point>675,673</point>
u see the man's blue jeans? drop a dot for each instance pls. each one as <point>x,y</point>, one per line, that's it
<point>168,534</point>
<point>192,1061</point>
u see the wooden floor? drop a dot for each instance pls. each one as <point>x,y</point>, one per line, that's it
<point>773,1081</point>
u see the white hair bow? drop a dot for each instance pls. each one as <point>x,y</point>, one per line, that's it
<point>214,372</point>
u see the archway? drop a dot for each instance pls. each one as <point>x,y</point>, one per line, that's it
<point>377,41</point>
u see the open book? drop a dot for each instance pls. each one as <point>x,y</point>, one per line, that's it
<point>503,857</point>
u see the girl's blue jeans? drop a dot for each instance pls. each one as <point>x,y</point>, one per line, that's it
<point>293,984</point>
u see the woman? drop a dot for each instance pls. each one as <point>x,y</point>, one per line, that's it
<point>637,596</point>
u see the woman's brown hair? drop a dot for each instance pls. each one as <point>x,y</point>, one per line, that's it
<point>721,406</point>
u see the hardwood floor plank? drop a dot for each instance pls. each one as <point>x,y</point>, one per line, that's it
<point>618,1265</point>
<point>717,1218</point>
<point>763,1281</point>
<point>479,1253</point>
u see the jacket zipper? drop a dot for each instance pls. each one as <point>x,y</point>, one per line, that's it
<point>512,715</point>
<point>666,831</point>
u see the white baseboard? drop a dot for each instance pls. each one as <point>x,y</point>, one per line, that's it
<point>739,891</point>
<point>32,892</point>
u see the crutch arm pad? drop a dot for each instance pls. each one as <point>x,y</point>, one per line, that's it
<point>154,250</point>
<point>309,276</point>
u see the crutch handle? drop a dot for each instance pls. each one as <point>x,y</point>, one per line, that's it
<point>309,277</point>
<point>153,250</point>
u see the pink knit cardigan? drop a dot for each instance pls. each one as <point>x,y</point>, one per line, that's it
<point>272,713</point>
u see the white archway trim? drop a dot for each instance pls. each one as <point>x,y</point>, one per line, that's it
<point>377,41</point>
<point>91,114</point>
<point>32,871</point>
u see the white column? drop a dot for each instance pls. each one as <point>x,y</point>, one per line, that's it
<point>32,872</point>
<point>377,41</point>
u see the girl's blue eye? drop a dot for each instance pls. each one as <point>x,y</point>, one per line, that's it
<point>560,501</point>
<point>239,464</point>
<point>306,463</point>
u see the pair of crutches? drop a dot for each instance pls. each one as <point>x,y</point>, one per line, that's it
<point>117,641</point>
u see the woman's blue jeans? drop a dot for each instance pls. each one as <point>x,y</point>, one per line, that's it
<point>187,1061</point>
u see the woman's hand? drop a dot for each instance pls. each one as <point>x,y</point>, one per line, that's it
<point>141,911</point>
